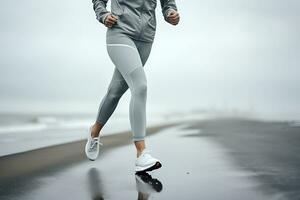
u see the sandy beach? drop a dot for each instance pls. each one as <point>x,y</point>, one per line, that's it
<point>225,158</point>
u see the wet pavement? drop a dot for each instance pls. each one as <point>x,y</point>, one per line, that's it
<point>191,169</point>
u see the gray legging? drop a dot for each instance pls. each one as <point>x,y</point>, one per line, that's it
<point>129,56</point>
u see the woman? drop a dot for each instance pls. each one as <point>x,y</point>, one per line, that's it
<point>131,27</point>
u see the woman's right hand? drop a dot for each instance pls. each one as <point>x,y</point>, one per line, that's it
<point>110,20</point>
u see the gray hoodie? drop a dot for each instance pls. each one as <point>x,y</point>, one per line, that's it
<point>136,18</point>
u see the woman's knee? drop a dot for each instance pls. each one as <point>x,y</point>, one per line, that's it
<point>139,82</point>
<point>140,90</point>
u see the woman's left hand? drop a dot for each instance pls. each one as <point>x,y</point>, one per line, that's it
<point>173,17</point>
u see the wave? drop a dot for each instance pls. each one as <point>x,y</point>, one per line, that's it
<point>45,123</point>
<point>295,123</point>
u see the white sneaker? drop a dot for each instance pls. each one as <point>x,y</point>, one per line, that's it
<point>92,145</point>
<point>145,162</point>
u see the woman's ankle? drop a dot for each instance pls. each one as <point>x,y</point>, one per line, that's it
<point>96,129</point>
<point>140,146</point>
<point>139,152</point>
<point>95,134</point>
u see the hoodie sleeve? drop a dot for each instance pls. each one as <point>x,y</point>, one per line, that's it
<point>99,7</point>
<point>167,6</point>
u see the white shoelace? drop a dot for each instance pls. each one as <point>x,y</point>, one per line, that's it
<point>94,144</point>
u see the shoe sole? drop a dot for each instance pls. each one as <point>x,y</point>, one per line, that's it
<point>157,165</point>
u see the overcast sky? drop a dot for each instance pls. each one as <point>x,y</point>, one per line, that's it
<point>232,54</point>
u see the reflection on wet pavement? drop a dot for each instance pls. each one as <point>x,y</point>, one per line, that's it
<point>95,184</point>
<point>146,184</point>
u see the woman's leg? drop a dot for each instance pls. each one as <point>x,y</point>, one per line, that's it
<point>144,49</point>
<point>125,56</point>
<point>115,90</point>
